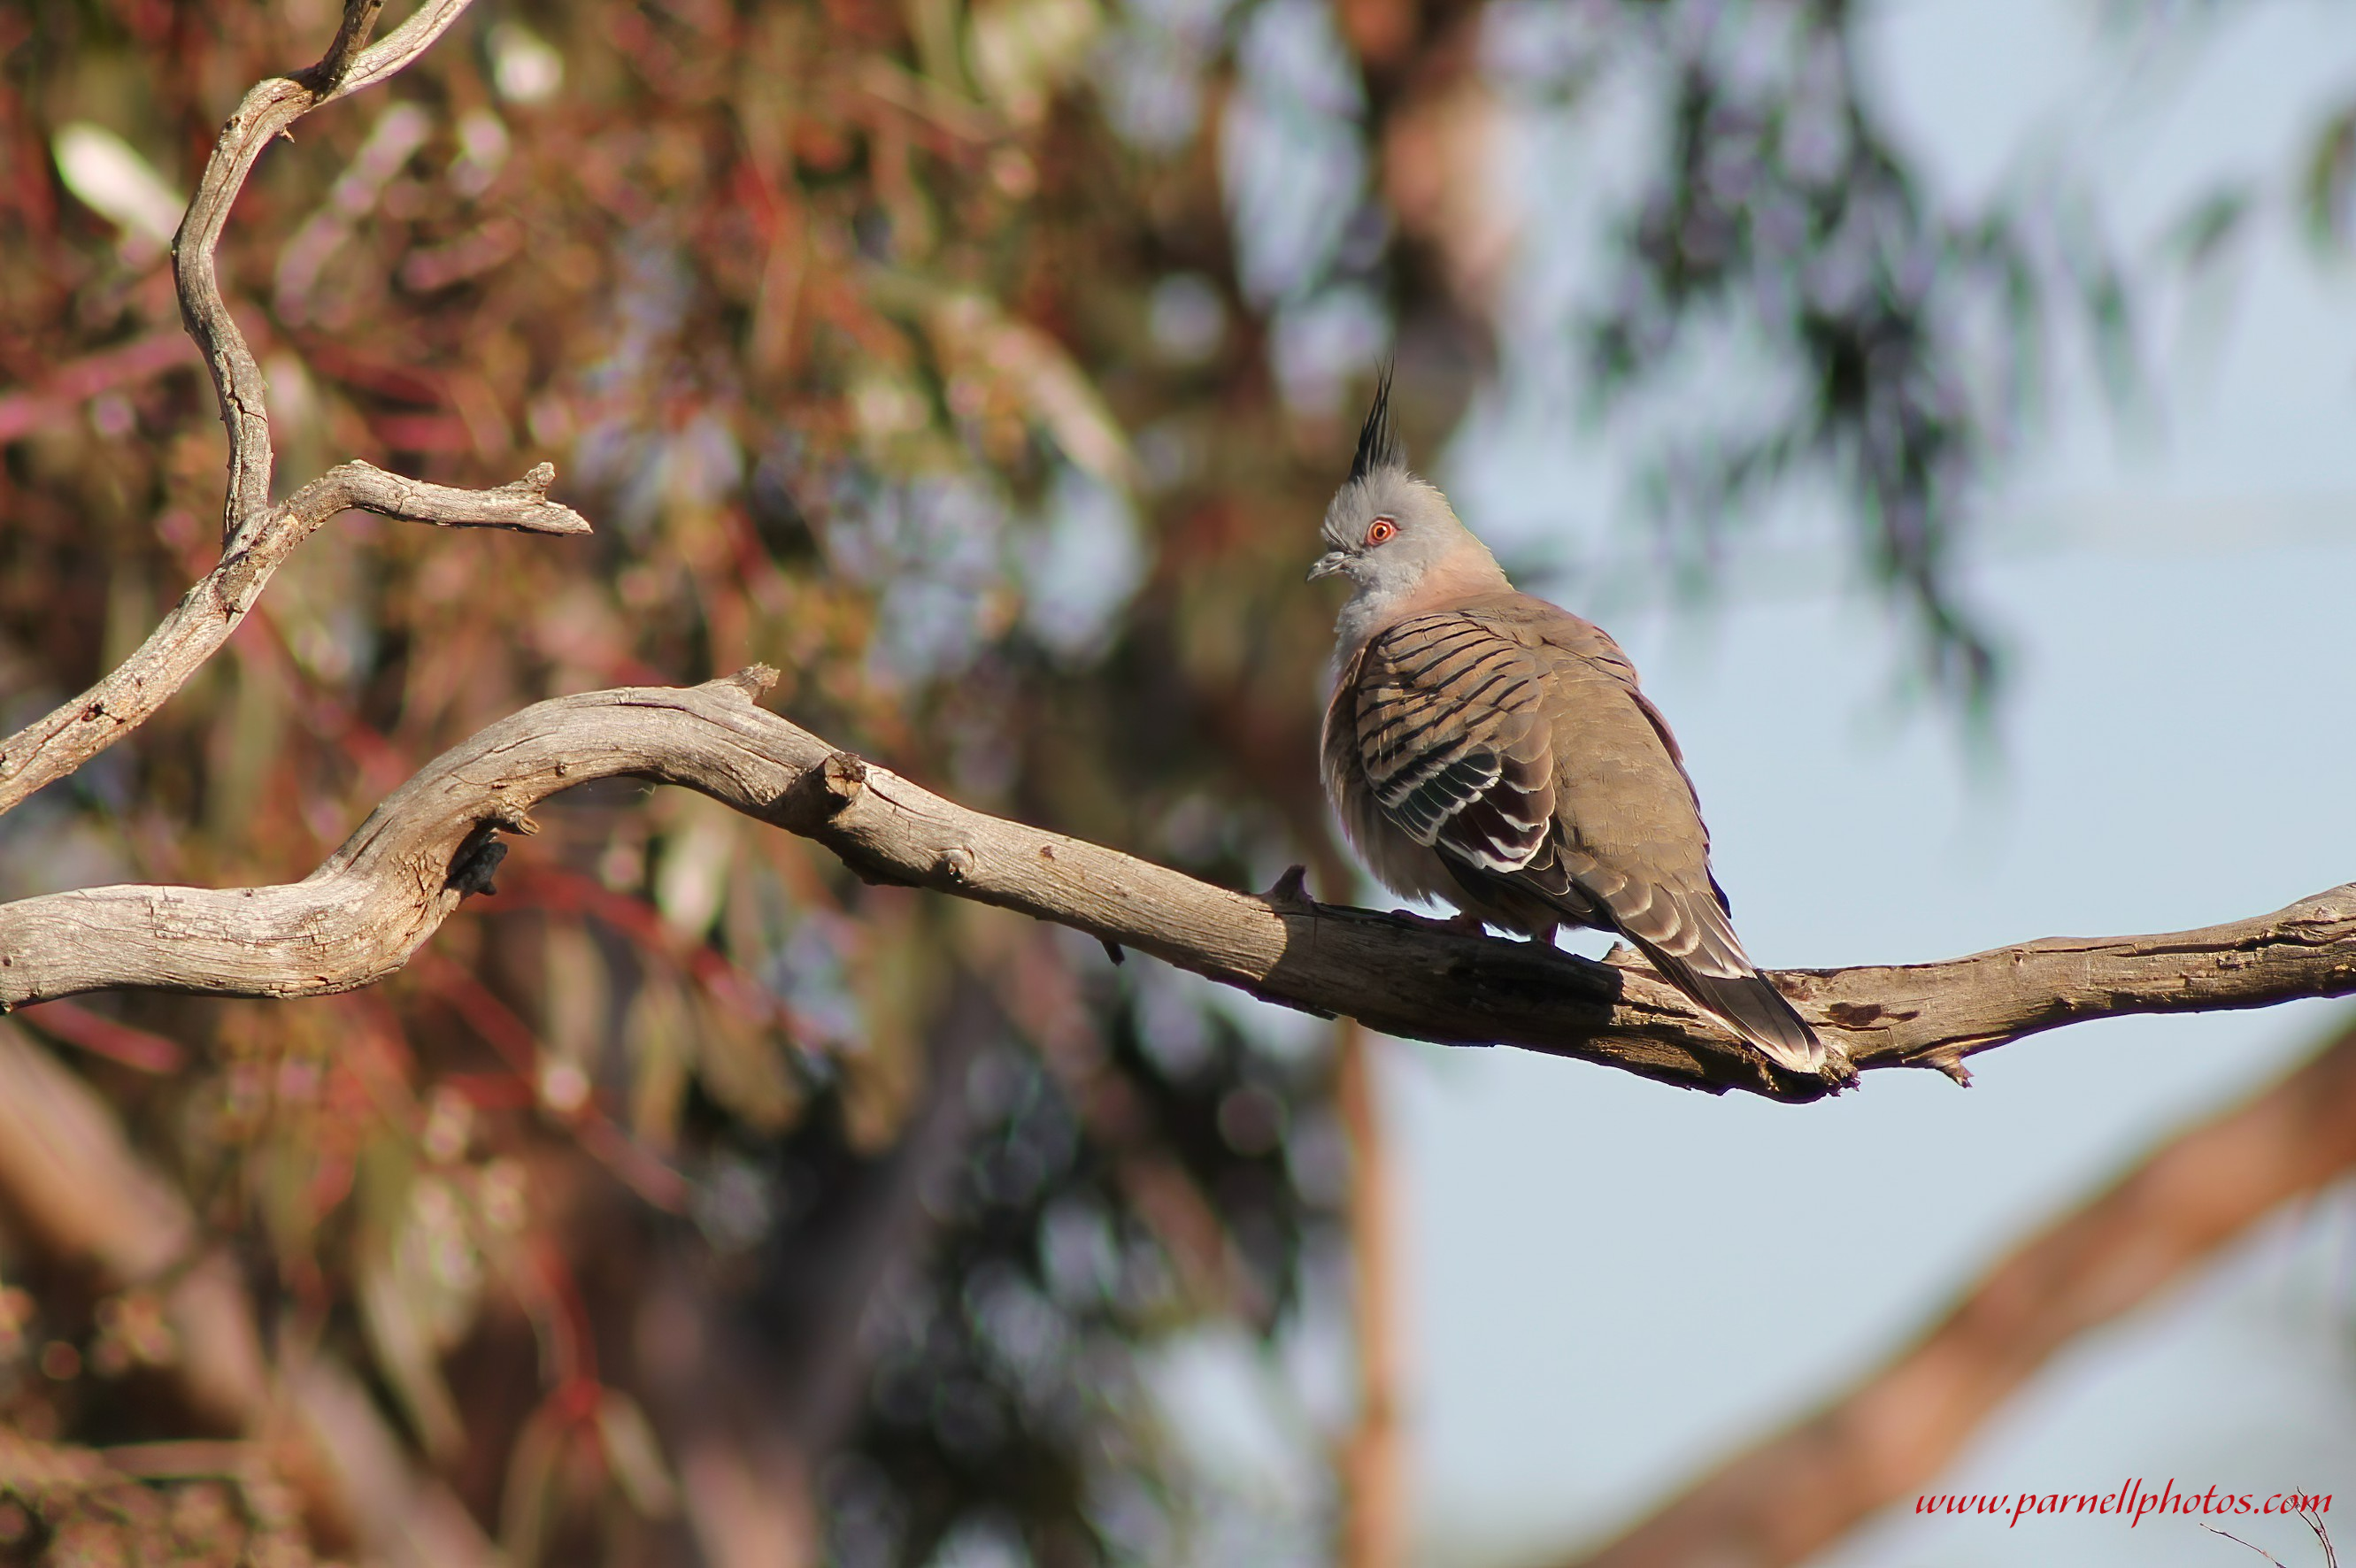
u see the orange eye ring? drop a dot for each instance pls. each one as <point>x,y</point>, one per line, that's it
<point>1382,531</point>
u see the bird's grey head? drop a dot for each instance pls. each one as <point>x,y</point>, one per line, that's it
<point>1393,535</point>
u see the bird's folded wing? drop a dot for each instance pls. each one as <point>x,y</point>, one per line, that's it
<point>1453,735</point>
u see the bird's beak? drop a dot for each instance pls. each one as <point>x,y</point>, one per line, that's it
<point>1328,564</point>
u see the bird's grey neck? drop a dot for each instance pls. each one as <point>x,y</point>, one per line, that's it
<point>1364,614</point>
<point>1371,610</point>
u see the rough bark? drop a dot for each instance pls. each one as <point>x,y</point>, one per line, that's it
<point>1800,1490</point>
<point>359,916</point>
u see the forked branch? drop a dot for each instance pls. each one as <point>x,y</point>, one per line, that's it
<point>359,916</point>
<point>267,111</point>
<point>257,537</point>
<point>70,734</point>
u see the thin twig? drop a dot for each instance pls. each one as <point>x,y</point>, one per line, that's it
<point>359,21</point>
<point>57,743</point>
<point>2237,1540</point>
<point>2313,1522</point>
<point>266,112</point>
<point>255,535</point>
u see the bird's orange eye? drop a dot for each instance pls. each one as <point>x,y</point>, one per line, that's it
<point>1380,531</point>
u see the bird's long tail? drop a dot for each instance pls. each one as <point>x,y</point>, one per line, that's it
<point>1745,1002</point>
<point>1683,930</point>
<point>1686,934</point>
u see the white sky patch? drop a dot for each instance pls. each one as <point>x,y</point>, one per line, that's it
<point>1081,565</point>
<point>1188,318</point>
<point>1324,341</point>
<point>1241,1425</point>
<point>1578,1236</point>
<point>1288,155</point>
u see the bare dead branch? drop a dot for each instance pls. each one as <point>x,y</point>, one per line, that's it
<point>1796,1492</point>
<point>256,537</point>
<point>393,53</point>
<point>268,110</point>
<point>56,744</point>
<point>359,916</point>
<point>359,21</point>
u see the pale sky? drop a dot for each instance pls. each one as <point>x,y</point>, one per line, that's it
<point>1587,1249</point>
<point>1609,1283</point>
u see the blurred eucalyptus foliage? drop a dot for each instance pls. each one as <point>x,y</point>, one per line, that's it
<point>985,367</point>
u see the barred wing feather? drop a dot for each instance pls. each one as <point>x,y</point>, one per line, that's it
<point>1452,733</point>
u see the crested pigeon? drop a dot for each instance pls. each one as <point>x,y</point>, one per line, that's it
<point>1493,750</point>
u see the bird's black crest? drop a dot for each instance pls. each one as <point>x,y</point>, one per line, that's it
<point>1378,443</point>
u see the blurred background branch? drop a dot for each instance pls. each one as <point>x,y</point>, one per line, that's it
<point>1789,1496</point>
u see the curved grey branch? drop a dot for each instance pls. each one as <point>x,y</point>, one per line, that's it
<point>71,733</point>
<point>255,535</point>
<point>268,109</point>
<point>359,916</point>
